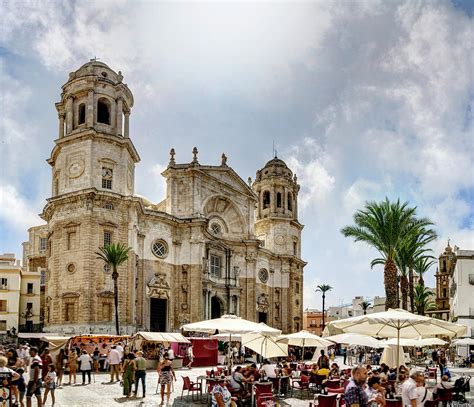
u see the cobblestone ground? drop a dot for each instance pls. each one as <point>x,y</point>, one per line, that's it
<point>100,393</point>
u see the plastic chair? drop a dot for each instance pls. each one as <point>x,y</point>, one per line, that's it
<point>191,387</point>
<point>327,400</point>
<point>431,403</point>
<point>263,393</point>
<point>301,384</point>
<point>393,403</point>
<point>333,384</point>
<point>433,374</point>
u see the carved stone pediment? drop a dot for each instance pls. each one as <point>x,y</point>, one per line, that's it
<point>262,303</point>
<point>158,287</point>
<point>70,294</point>
<point>105,294</point>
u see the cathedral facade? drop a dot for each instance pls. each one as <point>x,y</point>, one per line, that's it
<point>216,244</point>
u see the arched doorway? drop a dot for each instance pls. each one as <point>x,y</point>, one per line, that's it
<point>216,308</point>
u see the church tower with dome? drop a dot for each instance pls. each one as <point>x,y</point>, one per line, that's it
<point>214,245</point>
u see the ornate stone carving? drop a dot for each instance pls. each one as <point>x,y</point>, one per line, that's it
<point>158,287</point>
<point>71,294</point>
<point>105,294</point>
<point>262,303</point>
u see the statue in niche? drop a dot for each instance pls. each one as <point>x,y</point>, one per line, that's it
<point>262,303</point>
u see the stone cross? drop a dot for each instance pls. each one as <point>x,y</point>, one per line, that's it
<point>195,155</point>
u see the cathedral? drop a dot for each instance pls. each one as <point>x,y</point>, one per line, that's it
<point>214,245</point>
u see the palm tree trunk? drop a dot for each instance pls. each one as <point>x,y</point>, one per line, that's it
<point>404,290</point>
<point>391,284</point>
<point>115,278</point>
<point>421,281</point>
<point>324,297</point>
<point>411,289</point>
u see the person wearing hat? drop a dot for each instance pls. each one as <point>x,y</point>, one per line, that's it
<point>221,396</point>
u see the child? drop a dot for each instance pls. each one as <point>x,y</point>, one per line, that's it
<point>50,383</point>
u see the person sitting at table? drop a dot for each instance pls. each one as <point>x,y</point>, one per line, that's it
<point>323,371</point>
<point>334,372</point>
<point>237,380</point>
<point>444,384</point>
<point>221,396</point>
<point>268,370</point>
<point>314,369</point>
<point>375,392</point>
<point>286,370</point>
<point>252,372</point>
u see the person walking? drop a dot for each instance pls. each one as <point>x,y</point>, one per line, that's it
<point>95,358</point>
<point>409,389</point>
<point>114,360</point>
<point>46,359</point>
<point>166,377</point>
<point>190,355</point>
<point>86,366</point>
<point>442,362</point>
<point>72,360</point>
<point>128,375</point>
<point>50,383</point>
<point>59,365</point>
<point>140,373</point>
<point>34,383</point>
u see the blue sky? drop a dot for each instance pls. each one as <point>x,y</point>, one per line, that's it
<point>363,100</point>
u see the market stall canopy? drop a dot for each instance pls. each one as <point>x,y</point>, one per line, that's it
<point>265,345</point>
<point>227,337</point>
<point>463,341</point>
<point>55,343</point>
<point>162,337</point>
<point>356,339</point>
<point>35,335</point>
<point>398,322</point>
<point>304,339</point>
<point>230,324</point>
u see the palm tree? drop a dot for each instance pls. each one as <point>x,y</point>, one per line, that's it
<point>323,288</point>
<point>114,255</point>
<point>364,305</point>
<point>422,265</point>
<point>401,260</point>
<point>423,299</point>
<point>386,226</point>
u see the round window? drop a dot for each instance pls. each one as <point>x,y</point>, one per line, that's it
<point>216,228</point>
<point>106,268</point>
<point>71,268</point>
<point>160,248</point>
<point>263,275</point>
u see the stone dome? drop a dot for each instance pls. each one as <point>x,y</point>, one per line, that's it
<point>275,168</point>
<point>99,69</point>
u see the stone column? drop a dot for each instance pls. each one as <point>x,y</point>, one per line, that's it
<point>273,198</point>
<point>61,124</point>
<point>284,201</point>
<point>119,116</point>
<point>126,127</point>
<point>90,109</point>
<point>69,114</point>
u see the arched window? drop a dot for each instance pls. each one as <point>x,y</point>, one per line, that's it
<point>266,199</point>
<point>290,201</point>
<point>103,111</point>
<point>278,199</point>
<point>81,114</point>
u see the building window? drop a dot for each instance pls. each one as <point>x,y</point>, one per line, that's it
<point>3,305</point>
<point>71,240</point>
<point>69,312</point>
<point>445,293</point>
<point>290,201</point>
<point>215,266</point>
<point>263,275</point>
<point>43,277</point>
<point>266,199</point>
<point>107,238</point>
<point>4,284</point>
<point>109,206</point>
<point>278,199</point>
<point>3,326</point>
<point>107,175</point>
<point>106,311</point>
<point>297,288</point>
<point>216,229</point>
<point>71,268</point>
<point>81,114</point>
<point>29,306</point>
<point>295,248</point>
<point>42,244</point>
<point>29,288</point>
<point>56,186</point>
<point>103,111</point>
<point>159,249</point>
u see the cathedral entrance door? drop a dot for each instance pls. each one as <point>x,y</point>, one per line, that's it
<point>262,317</point>
<point>158,314</point>
<point>216,309</point>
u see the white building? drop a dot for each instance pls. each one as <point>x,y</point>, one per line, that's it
<point>462,289</point>
<point>10,277</point>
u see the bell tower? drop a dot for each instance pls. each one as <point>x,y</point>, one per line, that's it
<point>277,223</point>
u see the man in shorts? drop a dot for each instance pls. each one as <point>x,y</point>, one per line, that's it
<point>34,383</point>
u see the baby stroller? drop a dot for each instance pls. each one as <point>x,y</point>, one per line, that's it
<point>461,387</point>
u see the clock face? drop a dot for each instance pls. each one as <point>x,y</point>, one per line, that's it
<point>75,169</point>
<point>280,240</point>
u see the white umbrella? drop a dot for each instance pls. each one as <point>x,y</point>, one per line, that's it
<point>356,339</point>
<point>227,337</point>
<point>463,341</point>
<point>416,342</point>
<point>399,323</point>
<point>304,338</point>
<point>229,324</point>
<point>265,345</point>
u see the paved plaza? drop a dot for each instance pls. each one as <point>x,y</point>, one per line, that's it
<point>100,393</point>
